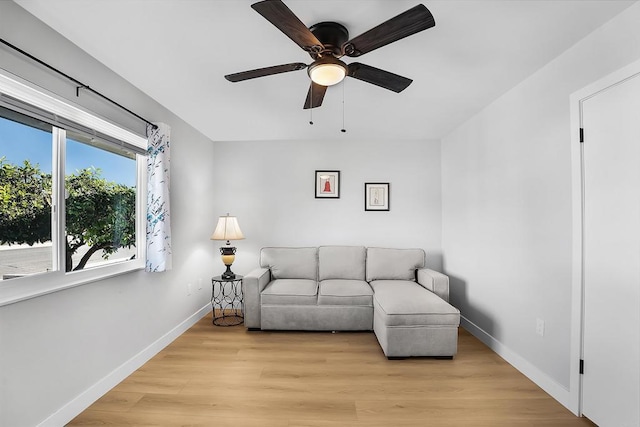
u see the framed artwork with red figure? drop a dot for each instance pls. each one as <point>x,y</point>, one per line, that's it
<point>327,184</point>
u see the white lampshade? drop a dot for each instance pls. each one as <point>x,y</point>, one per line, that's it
<point>227,229</point>
<point>327,71</point>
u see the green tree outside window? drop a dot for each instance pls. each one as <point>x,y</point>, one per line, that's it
<point>99,214</point>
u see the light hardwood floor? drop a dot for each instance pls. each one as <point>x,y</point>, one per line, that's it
<point>230,377</point>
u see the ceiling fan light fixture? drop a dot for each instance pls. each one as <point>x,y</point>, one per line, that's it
<point>327,71</point>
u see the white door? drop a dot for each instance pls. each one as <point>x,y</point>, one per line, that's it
<point>611,338</point>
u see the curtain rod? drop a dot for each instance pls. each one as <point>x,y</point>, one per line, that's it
<point>79,84</point>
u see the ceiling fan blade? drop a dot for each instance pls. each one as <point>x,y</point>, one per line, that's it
<point>267,71</point>
<point>378,77</point>
<point>276,12</point>
<point>315,96</point>
<point>412,21</point>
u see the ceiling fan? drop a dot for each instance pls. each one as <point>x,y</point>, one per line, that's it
<point>327,42</point>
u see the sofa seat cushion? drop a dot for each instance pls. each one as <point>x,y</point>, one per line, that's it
<point>345,292</point>
<point>291,292</point>
<point>406,303</point>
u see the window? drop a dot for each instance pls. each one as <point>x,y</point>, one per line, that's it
<point>100,203</point>
<point>25,195</point>
<point>71,209</point>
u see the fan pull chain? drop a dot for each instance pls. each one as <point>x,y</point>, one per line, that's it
<point>343,130</point>
<point>311,105</point>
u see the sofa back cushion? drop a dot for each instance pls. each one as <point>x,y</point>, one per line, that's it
<point>290,263</point>
<point>393,264</point>
<point>342,262</point>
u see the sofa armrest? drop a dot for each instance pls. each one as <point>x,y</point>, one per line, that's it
<point>437,283</point>
<point>252,285</point>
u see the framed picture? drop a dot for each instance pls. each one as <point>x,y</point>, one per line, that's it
<point>327,184</point>
<point>376,196</point>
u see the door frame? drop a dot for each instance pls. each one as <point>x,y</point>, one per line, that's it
<point>577,202</point>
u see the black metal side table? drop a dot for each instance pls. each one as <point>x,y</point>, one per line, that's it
<point>227,300</point>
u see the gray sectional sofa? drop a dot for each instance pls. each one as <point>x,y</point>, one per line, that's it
<point>354,288</point>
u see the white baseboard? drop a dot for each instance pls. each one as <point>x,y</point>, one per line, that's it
<point>557,391</point>
<point>69,411</point>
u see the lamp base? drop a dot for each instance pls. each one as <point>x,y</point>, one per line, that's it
<point>228,256</point>
<point>228,275</point>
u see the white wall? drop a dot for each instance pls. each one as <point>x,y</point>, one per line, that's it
<point>269,186</point>
<point>507,224</point>
<point>505,214</point>
<point>55,349</point>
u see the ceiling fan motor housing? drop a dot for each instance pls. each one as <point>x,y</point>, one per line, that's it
<point>332,35</point>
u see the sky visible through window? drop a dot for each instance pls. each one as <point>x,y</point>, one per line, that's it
<point>13,136</point>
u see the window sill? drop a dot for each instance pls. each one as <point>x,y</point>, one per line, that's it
<point>24,288</point>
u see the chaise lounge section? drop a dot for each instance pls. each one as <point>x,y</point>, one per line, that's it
<point>354,288</point>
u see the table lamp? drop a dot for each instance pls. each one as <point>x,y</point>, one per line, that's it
<point>227,229</point>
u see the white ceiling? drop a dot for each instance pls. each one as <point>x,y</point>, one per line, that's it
<point>177,51</point>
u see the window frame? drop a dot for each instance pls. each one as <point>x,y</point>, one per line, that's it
<point>20,289</point>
